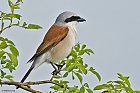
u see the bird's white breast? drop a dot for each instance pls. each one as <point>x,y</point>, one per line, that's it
<point>64,47</point>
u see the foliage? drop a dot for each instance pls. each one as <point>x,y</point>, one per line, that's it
<point>8,51</point>
<point>8,59</point>
<point>75,67</point>
<point>117,86</point>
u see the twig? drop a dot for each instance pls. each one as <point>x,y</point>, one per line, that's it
<point>19,84</point>
<point>42,82</point>
<point>25,85</point>
<point>6,28</point>
<point>10,25</point>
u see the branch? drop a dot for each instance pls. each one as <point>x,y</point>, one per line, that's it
<point>21,85</point>
<point>25,86</point>
<point>42,82</point>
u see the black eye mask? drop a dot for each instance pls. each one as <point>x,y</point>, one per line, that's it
<point>73,18</point>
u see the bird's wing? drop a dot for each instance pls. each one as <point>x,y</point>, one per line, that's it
<point>51,39</point>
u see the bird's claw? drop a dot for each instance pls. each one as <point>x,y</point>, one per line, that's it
<point>55,72</point>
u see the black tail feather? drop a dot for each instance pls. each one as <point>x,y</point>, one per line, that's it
<point>26,75</point>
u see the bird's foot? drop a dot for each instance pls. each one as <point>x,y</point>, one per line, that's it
<point>55,72</point>
<point>59,66</point>
<point>58,69</point>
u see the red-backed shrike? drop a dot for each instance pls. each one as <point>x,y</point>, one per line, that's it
<point>58,41</point>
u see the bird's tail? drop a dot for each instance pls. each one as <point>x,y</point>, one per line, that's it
<point>26,75</point>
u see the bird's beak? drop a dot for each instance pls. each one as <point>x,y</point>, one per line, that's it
<point>81,20</point>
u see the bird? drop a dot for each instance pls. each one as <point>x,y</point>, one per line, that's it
<point>57,43</point>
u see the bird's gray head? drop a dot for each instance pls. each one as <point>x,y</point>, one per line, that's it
<point>68,19</point>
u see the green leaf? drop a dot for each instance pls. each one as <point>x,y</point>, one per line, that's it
<point>124,78</point>
<point>14,51</point>
<point>89,90</point>
<point>74,54</point>
<point>1,38</point>
<point>86,65</point>
<point>73,76</point>
<point>71,67</point>
<point>83,46</point>
<point>11,4</point>
<point>6,39</point>
<point>19,1</point>
<point>13,59</point>
<point>3,61</point>
<point>95,73</point>
<point>65,82</point>
<point>81,52</point>
<point>110,81</point>
<point>76,47</point>
<point>73,90</point>
<point>10,42</point>
<point>137,91</point>
<point>56,81</point>
<point>24,24</point>
<point>17,16</point>
<point>127,81</point>
<point>82,89</point>
<point>34,26</point>
<point>16,6</point>
<point>86,85</point>
<point>9,77</point>
<point>6,18</point>
<point>120,83</point>
<point>3,45</point>
<point>111,86</point>
<point>57,76</point>
<point>66,74</point>
<point>2,25</point>
<point>68,63</point>
<point>88,51</point>
<point>80,60</point>
<point>2,73</point>
<point>55,87</point>
<point>10,66</point>
<point>120,75</point>
<point>82,68</point>
<point>4,57</point>
<point>79,77</point>
<point>1,53</point>
<point>100,87</point>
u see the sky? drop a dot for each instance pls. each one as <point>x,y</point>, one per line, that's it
<point>112,31</point>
